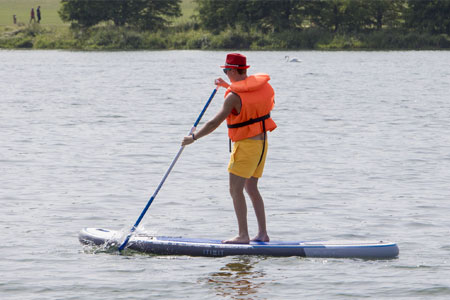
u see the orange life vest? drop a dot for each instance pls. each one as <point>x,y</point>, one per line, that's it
<point>257,100</point>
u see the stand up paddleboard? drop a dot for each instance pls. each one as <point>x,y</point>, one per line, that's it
<point>205,247</point>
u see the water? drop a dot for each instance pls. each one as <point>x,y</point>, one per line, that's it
<point>362,152</point>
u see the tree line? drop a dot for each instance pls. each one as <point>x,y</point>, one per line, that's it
<point>432,16</point>
<point>334,15</point>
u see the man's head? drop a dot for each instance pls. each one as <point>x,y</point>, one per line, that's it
<point>236,63</point>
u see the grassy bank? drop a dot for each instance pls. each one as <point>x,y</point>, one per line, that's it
<point>109,37</point>
<point>53,34</point>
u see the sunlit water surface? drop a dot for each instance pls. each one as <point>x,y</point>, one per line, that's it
<point>362,151</point>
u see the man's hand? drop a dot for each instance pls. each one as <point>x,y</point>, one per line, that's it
<point>187,140</point>
<point>221,82</point>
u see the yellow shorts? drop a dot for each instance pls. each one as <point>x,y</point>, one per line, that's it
<point>245,158</point>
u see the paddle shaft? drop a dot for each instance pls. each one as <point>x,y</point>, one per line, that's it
<point>174,161</point>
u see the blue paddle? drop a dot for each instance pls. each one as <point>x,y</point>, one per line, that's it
<point>133,229</point>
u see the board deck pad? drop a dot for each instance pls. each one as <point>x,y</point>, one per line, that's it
<point>162,245</point>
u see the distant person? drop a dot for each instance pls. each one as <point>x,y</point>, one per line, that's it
<point>14,19</point>
<point>32,18</point>
<point>38,12</point>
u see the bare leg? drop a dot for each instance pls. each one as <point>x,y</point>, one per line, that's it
<point>240,207</point>
<point>251,187</point>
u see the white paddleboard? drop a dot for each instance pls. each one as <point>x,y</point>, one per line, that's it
<point>206,247</point>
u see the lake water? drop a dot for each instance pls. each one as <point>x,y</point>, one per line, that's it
<point>362,151</point>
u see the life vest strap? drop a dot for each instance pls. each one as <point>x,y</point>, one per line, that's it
<point>249,122</point>
<point>264,142</point>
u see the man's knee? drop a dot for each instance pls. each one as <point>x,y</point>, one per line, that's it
<point>236,185</point>
<point>251,186</point>
<point>236,190</point>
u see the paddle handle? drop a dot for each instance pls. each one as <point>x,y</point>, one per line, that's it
<point>174,161</point>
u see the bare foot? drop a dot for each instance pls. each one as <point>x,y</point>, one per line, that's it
<point>237,240</point>
<point>261,238</point>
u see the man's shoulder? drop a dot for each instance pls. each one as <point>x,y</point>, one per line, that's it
<point>232,97</point>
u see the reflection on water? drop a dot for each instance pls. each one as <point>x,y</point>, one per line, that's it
<point>238,279</point>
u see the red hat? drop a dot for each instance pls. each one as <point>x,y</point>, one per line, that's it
<point>236,61</point>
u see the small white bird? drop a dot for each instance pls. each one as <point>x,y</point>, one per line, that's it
<point>294,59</point>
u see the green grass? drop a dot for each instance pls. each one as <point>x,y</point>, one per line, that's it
<point>49,11</point>
<point>187,9</point>
<point>22,8</point>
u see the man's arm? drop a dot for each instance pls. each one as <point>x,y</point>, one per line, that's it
<point>231,101</point>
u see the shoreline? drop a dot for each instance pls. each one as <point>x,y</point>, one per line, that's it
<point>111,38</point>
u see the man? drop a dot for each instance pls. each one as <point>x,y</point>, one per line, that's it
<point>247,106</point>
<point>38,12</point>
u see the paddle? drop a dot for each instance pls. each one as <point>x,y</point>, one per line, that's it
<point>166,175</point>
